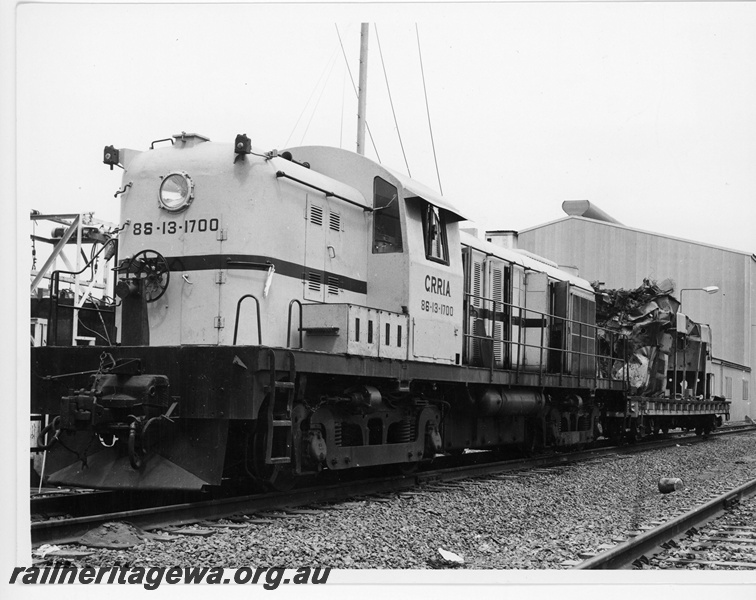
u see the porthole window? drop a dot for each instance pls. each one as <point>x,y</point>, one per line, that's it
<point>176,192</point>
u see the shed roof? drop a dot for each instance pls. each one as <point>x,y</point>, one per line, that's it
<point>643,231</point>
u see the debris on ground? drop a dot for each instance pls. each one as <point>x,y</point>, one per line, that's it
<point>114,535</point>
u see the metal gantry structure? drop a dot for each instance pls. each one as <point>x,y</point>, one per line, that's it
<point>86,276</point>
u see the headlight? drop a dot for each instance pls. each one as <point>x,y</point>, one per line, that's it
<point>176,192</point>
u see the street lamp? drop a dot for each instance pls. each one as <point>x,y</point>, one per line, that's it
<point>709,289</point>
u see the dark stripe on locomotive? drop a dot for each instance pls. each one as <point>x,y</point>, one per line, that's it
<point>203,262</point>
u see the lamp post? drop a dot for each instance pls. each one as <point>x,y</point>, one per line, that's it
<point>709,289</point>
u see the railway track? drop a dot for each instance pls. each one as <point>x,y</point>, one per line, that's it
<point>64,503</point>
<point>661,543</point>
<point>722,545</point>
<point>67,530</point>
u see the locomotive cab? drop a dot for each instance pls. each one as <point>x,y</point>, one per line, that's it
<point>413,305</point>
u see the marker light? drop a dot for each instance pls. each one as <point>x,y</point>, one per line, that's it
<point>176,192</point>
<point>110,156</point>
<point>242,144</point>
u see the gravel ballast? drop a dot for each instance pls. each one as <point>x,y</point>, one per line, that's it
<point>540,519</point>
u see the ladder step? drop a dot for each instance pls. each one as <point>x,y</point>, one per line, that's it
<point>281,385</point>
<point>282,423</point>
<point>279,460</point>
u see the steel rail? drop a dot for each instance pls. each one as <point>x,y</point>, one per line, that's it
<point>62,502</point>
<point>79,502</point>
<point>623,555</point>
<point>70,530</point>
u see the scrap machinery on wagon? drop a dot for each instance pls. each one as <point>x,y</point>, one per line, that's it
<point>282,313</point>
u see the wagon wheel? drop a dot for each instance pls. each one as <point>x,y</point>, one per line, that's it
<point>152,270</point>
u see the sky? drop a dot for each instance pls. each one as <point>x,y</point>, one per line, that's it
<point>645,109</point>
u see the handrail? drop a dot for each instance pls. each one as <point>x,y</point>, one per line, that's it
<point>520,314</point>
<point>236,320</point>
<point>327,193</point>
<point>52,331</point>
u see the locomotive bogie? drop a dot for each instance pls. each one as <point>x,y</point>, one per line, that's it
<point>357,439</point>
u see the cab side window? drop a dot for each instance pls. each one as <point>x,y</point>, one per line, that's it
<point>387,228</point>
<point>434,234</point>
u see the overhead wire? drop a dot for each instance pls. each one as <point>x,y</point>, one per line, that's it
<point>427,109</point>
<point>314,89</point>
<point>320,96</point>
<point>343,102</point>
<point>391,101</point>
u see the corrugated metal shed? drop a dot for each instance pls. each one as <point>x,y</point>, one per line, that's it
<point>621,257</point>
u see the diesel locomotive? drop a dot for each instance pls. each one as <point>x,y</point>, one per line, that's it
<point>280,313</point>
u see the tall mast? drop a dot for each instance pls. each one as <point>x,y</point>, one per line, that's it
<point>362,94</point>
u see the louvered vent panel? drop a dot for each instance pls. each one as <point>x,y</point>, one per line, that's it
<point>314,280</point>
<point>316,215</point>
<point>477,282</point>
<point>498,295</point>
<point>476,325</point>
<point>498,285</point>
<point>333,285</point>
<point>335,221</point>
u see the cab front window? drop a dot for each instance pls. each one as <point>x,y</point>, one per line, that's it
<point>434,234</point>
